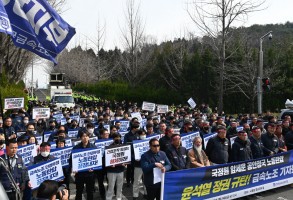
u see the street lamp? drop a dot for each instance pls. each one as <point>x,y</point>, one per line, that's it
<point>260,72</point>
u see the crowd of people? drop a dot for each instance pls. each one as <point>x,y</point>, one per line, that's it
<point>253,137</point>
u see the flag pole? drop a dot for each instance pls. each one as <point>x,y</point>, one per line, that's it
<point>162,186</point>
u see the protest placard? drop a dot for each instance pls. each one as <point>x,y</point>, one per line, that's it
<point>47,135</point>
<point>13,103</point>
<point>86,159</point>
<point>41,113</point>
<point>58,117</point>
<point>63,121</point>
<point>191,102</point>
<point>81,122</point>
<point>50,170</point>
<point>27,152</point>
<point>117,155</point>
<point>207,137</point>
<point>63,154</point>
<point>39,139</point>
<point>102,143</point>
<point>186,139</point>
<point>124,124</point>
<point>148,106</point>
<point>137,115</point>
<point>72,133</point>
<point>162,108</point>
<point>157,136</point>
<point>20,133</point>
<point>76,117</point>
<point>140,147</point>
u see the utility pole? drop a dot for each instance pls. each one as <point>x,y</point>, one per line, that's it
<point>260,72</point>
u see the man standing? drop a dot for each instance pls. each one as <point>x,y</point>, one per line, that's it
<point>115,173</point>
<point>165,142</point>
<point>17,169</point>
<point>256,145</point>
<point>149,160</point>
<point>218,147</point>
<point>44,155</point>
<point>177,154</point>
<point>84,178</point>
<point>270,141</point>
<point>241,148</point>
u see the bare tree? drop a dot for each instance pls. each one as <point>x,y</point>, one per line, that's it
<point>215,19</point>
<point>134,58</point>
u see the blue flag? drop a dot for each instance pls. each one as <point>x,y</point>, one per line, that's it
<point>37,27</point>
<point>5,26</point>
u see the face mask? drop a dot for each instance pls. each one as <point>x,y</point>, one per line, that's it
<point>117,141</point>
<point>1,121</point>
<point>72,112</point>
<point>69,121</point>
<point>25,121</point>
<point>142,137</point>
<point>206,128</point>
<point>45,153</point>
<point>189,128</point>
<point>52,127</point>
<point>91,130</point>
<point>2,142</point>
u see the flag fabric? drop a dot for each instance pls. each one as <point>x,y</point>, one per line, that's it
<point>5,26</point>
<point>37,27</point>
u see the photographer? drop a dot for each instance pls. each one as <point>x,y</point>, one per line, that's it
<point>49,190</point>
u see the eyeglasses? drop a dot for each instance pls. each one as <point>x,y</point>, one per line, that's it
<point>156,145</point>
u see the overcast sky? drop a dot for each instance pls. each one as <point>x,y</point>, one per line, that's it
<point>164,20</point>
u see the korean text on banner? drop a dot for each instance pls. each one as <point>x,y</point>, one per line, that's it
<point>50,170</point>
<point>27,152</point>
<point>41,113</point>
<point>63,154</point>
<point>13,103</point>
<point>117,155</point>
<point>86,159</point>
<point>140,147</point>
<point>5,26</point>
<point>38,28</point>
<point>230,181</point>
<point>148,106</point>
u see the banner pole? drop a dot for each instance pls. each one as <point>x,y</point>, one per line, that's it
<point>162,186</point>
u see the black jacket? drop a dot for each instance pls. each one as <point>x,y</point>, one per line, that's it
<point>241,150</point>
<point>177,157</point>
<point>289,140</point>
<point>270,143</point>
<point>256,147</point>
<point>165,143</point>
<point>218,150</point>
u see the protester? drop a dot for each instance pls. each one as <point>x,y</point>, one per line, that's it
<point>197,157</point>
<point>87,177</point>
<point>165,142</point>
<point>154,158</point>
<point>115,173</point>
<point>270,141</point>
<point>137,168</point>
<point>2,143</point>
<point>18,170</point>
<point>281,140</point>
<point>177,154</point>
<point>256,144</point>
<point>44,154</point>
<point>218,147</point>
<point>241,150</point>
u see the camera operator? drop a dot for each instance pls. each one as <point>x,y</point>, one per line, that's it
<point>49,190</point>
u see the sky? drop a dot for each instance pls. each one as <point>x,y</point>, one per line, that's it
<point>163,19</point>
